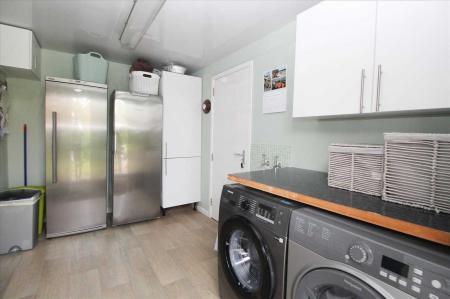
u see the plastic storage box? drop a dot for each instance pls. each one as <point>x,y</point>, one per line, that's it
<point>18,220</point>
<point>91,67</point>
<point>144,83</point>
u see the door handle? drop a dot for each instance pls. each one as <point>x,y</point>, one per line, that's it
<point>165,159</point>
<point>377,108</point>
<point>54,149</point>
<point>279,239</point>
<point>165,167</point>
<point>115,144</point>
<point>165,155</point>
<point>361,95</point>
<point>242,155</point>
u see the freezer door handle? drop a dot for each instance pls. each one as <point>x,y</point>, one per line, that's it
<point>165,167</point>
<point>115,143</point>
<point>54,149</point>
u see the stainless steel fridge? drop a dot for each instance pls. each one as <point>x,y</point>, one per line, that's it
<point>137,153</point>
<point>75,156</point>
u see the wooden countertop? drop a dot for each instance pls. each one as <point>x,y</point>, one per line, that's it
<point>311,188</point>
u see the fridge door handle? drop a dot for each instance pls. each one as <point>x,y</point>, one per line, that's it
<point>54,149</point>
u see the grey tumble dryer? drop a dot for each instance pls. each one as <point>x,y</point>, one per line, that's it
<point>136,146</point>
<point>331,256</point>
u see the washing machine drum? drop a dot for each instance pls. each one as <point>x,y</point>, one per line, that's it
<point>327,283</point>
<point>245,260</point>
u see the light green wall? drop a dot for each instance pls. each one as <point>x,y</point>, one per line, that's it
<point>3,154</point>
<point>3,164</point>
<point>26,99</point>
<point>308,138</point>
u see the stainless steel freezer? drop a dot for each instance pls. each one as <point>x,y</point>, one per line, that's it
<point>137,151</point>
<point>75,156</point>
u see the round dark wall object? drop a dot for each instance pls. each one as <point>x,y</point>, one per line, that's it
<point>206,106</point>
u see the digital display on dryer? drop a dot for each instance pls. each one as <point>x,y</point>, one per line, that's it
<point>394,266</point>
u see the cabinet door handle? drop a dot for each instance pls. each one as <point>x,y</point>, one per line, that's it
<point>54,149</point>
<point>377,108</point>
<point>361,95</point>
<point>165,150</point>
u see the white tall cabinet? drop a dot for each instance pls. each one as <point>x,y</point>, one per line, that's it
<point>356,57</point>
<point>181,138</point>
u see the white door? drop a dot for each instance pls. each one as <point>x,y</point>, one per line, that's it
<point>181,181</point>
<point>231,127</point>
<point>413,51</point>
<point>334,46</point>
<point>182,96</point>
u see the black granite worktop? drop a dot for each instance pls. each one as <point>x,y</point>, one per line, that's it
<point>315,184</point>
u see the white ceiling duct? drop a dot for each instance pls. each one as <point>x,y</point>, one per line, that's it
<point>141,17</point>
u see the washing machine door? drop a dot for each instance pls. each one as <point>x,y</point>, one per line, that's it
<point>245,260</point>
<point>327,283</point>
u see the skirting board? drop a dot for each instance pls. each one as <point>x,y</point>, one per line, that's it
<point>203,211</point>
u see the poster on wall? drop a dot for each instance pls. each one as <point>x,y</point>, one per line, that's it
<point>274,95</point>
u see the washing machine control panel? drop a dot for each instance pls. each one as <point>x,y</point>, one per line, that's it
<point>358,253</point>
<point>266,213</point>
<point>419,269</point>
<point>260,210</point>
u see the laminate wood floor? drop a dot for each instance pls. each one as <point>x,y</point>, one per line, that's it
<point>171,257</point>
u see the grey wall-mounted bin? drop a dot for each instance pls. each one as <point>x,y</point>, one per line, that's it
<point>18,220</point>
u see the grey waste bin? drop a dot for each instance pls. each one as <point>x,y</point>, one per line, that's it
<point>18,220</point>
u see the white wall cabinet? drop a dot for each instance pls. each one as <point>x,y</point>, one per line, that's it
<point>20,54</point>
<point>332,56</point>
<point>356,57</point>
<point>413,52</point>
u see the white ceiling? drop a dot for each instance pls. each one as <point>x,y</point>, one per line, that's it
<point>192,33</point>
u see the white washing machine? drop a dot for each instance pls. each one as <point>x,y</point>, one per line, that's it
<point>333,257</point>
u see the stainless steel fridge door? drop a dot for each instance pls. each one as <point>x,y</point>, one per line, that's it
<point>137,150</point>
<point>75,132</point>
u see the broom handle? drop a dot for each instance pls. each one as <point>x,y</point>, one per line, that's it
<point>25,155</point>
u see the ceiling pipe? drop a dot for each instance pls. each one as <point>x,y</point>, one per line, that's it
<point>131,37</point>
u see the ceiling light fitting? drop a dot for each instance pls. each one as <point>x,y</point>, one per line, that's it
<point>139,20</point>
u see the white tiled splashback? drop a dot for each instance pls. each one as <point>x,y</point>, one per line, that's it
<point>270,150</point>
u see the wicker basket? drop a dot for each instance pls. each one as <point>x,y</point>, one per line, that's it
<point>417,170</point>
<point>356,167</point>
